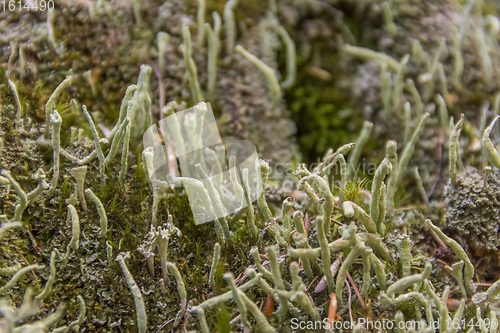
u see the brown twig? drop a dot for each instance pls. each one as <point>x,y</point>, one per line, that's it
<point>235,319</point>
<point>310,284</point>
<point>242,277</point>
<point>439,260</point>
<point>454,289</point>
<point>161,88</point>
<point>263,256</point>
<point>322,305</point>
<point>363,305</point>
<point>26,261</point>
<point>336,222</point>
<point>478,263</point>
<point>310,297</point>
<point>165,324</point>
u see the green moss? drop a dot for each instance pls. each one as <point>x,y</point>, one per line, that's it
<point>221,319</point>
<point>321,113</point>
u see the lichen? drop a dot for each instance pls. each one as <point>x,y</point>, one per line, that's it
<point>473,208</point>
<point>83,81</point>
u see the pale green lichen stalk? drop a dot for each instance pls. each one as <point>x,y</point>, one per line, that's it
<point>51,103</point>
<point>492,153</point>
<point>142,319</point>
<point>103,220</point>
<point>191,66</point>
<point>268,72</point>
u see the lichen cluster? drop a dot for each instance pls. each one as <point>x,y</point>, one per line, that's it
<point>473,208</point>
<point>94,238</point>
